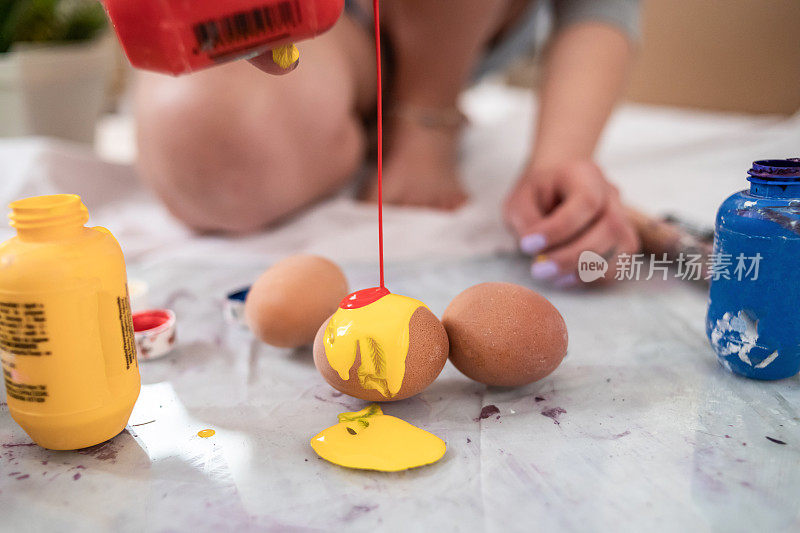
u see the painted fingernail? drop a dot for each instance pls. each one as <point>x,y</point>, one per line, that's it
<point>563,282</point>
<point>531,244</point>
<point>544,269</point>
<point>286,56</point>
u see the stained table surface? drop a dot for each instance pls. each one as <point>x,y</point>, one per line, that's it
<point>638,427</point>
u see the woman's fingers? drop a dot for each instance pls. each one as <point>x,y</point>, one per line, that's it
<point>571,218</point>
<point>610,236</point>
<point>559,213</point>
<point>521,212</point>
<point>584,195</point>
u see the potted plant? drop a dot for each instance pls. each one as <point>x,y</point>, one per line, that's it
<point>55,63</point>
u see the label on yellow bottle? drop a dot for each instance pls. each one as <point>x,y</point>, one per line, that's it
<point>52,347</point>
<point>128,340</point>
<point>23,333</point>
<point>23,328</point>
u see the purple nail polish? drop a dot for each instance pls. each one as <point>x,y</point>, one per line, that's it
<point>544,270</point>
<point>570,280</point>
<point>532,244</point>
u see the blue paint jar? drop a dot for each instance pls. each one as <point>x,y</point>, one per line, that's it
<point>753,320</point>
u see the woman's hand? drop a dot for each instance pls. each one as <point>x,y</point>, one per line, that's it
<point>559,212</point>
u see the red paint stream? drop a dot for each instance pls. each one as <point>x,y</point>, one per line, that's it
<point>377,15</point>
<point>367,296</point>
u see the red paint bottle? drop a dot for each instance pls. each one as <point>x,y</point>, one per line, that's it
<point>180,36</point>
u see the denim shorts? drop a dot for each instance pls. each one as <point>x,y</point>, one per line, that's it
<point>518,40</point>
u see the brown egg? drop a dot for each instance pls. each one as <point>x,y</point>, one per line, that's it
<point>427,355</point>
<point>504,334</point>
<point>289,301</point>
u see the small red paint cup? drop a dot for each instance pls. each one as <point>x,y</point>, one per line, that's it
<point>154,331</point>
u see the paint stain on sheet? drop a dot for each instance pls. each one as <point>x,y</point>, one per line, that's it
<point>105,451</point>
<point>554,413</point>
<point>487,411</point>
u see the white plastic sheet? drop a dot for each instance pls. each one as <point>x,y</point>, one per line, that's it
<point>639,427</point>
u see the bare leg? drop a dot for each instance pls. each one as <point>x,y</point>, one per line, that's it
<point>233,149</point>
<point>436,46</point>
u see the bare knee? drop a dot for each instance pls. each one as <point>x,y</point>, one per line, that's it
<point>223,162</point>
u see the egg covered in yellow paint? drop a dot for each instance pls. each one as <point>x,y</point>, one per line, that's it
<point>371,440</point>
<point>389,349</point>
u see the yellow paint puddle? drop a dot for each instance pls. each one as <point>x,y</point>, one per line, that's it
<point>371,440</point>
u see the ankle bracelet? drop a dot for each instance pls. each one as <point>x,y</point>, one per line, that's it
<point>442,118</point>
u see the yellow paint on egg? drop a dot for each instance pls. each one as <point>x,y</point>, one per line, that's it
<point>371,440</point>
<point>380,333</point>
<point>205,433</point>
<point>285,56</point>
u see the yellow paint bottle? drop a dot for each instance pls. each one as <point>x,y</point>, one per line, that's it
<point>66,335</point>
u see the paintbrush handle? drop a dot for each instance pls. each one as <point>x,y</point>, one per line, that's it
<point>659,237</point>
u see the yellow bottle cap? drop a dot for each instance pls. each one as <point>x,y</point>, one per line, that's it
<point>51,210</point>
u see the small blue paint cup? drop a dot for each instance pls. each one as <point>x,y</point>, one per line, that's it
<point>753,321</point>
<point>233,307</point>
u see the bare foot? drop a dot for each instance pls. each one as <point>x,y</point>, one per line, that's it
<point>419,168</point>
